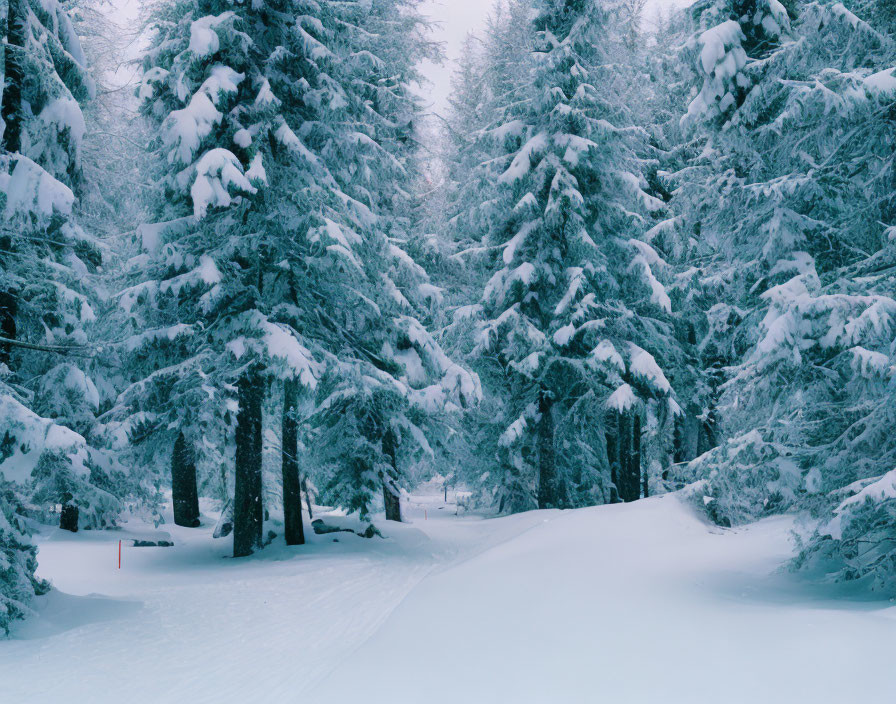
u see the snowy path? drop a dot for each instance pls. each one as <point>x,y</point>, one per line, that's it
<point>639,603</point>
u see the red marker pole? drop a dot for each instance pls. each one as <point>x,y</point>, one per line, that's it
<point>119,554</point>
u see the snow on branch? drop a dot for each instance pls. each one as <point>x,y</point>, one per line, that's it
<point>184,130</point>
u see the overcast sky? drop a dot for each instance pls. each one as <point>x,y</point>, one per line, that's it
<point>458,17</point>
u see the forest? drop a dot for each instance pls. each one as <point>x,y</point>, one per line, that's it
<point>641,254</point>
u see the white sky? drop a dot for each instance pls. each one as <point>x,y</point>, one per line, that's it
<point>458,17</point>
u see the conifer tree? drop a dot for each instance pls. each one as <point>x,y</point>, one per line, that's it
<point>206,283</point>
<point>793,211</point>
<point>48,273</point>
<point>291,144</point>
<point>574,311</point>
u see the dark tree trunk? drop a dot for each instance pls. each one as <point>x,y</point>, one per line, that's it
<point>623,433</point>
<point>706,428</point>
<point>633,481</point>
<point>15,77</point>
<point>548,490</point>
<point>706,438</point>
<point>68,519</point>
<point>391,500</point>
<point>8,309</point>
<point>624,445</point>
<point>292,487</point>
<point>680,438</point>
<point>248,513</point>
<point>184,494</point>
<point>636,460</point>
<point>611,432</point>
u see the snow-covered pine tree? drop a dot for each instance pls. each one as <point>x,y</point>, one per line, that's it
<point>574,311</point>
<point>48,268</point>
<point>880,14</point>
<point>289,128</point>
<point>467,105</point>
<point>388,380</point>
<point>487,87</point>
<point>794,210</point>
<point>667,91</point>
<point>202,287</point>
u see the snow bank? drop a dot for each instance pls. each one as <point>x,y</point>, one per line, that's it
<point>618,587</point>
<point>388,618</point>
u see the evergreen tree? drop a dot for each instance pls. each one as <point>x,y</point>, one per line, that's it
<point>205,284</point>
<point>388,379</point>
<point>575,300</point>
<point>488,84</point>
<point>793,207</point>
<point>291,158</point>
<point>48,276</point>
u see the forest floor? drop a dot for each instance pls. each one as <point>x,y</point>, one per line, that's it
<point>641,603</point>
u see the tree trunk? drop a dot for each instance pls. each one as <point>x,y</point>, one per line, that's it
<point>8,309</point>
<point>636,459</point>
<point>248,512</point>
<point>4,29</point>
<point>292,487</point>
<point>184,494</point>
<point>68,519</point>
<point>625,462</point>
<point>391,500</point>
<point>633,438</point>
<point>706,438</point>
<point>611,433</point>
<point>14,76</point>
<point>623,435</point>
<point>548,494</point>
<point>680,438</point>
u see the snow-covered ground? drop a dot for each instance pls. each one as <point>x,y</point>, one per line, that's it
<point>629,603</point>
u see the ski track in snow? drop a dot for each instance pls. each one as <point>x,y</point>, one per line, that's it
<point>641,603</point>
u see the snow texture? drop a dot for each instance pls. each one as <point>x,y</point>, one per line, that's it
<point>389,617</point>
